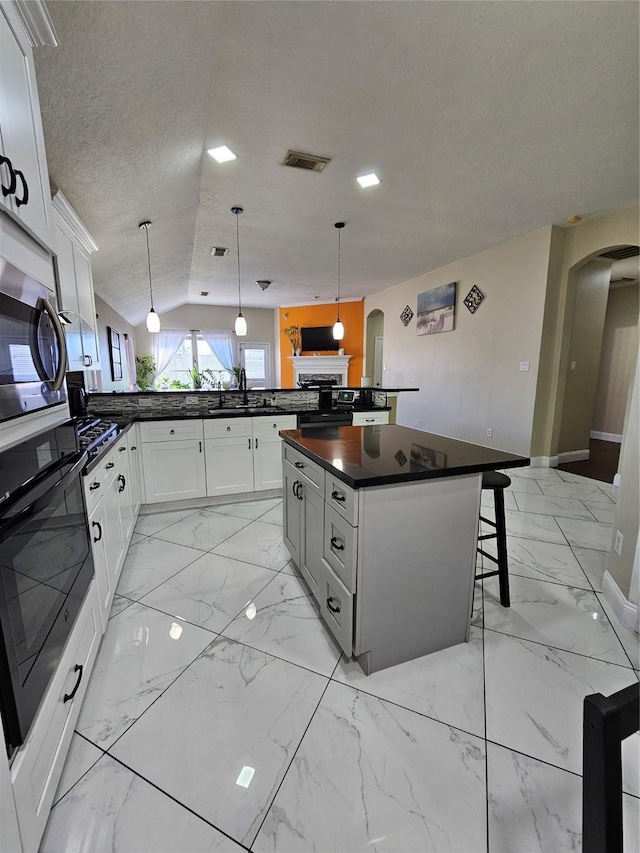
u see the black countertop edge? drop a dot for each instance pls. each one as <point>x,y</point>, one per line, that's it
<point>123,419</point>
<point>105,448</point>
<point>256,391</point>
<point>400,477</point>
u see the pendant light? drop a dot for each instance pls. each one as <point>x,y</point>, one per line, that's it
<point>153,321</point>
<point>241,323</point>
<point>338,327</point>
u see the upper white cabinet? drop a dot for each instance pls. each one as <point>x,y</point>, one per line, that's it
<point>23,165</point>
<point>74,246</point>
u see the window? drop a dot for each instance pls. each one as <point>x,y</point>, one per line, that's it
<point>193,353</point>
<point>255,360</point>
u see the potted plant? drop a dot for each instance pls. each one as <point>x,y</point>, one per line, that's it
<point>295,339</point>
<point>145,371</point>
<point>237,368</point>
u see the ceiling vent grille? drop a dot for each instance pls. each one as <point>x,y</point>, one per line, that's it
<point>310,162</point>
<point>621,254</point>
<point>219,251</point>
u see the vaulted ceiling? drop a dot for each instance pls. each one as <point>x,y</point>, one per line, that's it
<point>483,120</point>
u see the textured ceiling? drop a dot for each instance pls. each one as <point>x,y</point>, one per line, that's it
<point>483,120</point>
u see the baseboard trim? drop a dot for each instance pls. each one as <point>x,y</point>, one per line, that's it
<point>607,436</point>
<point>626,612</point>
<point>544,461</point>
<point>573,456</point>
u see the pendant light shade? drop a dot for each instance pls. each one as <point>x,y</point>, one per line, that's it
<point>153,321</point>
<point>241,323</point>
<point>338,326</point>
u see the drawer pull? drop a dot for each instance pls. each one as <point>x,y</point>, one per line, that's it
<point>332,609</point>
<point>337,497</point>
<point>275,426</point>
<point>369,420</point>
<point>336,545</point>
<point>228,429</point>
<point>122,449</point>
<point>133,447</point>
<point>94,486</point>
<point>110,465</point>
<point>68,696</point>
<point>172,432</point>
<point>299,464</point>
<point>99,526</point>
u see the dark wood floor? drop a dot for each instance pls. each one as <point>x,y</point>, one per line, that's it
<point>602,463</point>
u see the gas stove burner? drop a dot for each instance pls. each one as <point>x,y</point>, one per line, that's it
<point>94,433</point>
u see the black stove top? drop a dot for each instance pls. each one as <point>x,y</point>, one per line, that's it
<point>94,434</point>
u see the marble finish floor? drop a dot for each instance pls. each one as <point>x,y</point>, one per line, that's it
<point>221,715</point>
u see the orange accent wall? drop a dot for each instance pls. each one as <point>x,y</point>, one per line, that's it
<point>351,314</point>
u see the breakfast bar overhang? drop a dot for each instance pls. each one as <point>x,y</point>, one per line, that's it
<point>382,522</point>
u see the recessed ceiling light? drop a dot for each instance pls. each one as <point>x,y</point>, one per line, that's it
<point>221,154</point>
<point>368,180</point>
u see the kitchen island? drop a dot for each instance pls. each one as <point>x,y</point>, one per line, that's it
<point>382,522</point>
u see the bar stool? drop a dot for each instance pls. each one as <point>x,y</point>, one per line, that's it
<point>497,483</point>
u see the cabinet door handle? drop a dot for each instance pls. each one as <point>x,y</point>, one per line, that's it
<point>90,360</point>
<point>336,545</point>
<point>338,497</point>
<point>249,440</point>
<point>300,493</point>
<point>256,443</point>
<point>68,696</point>
<point>86,360</point>
<point>122,482</point>
<point>294,487</point>
<point>109,465</point>
<point>133,447</point>
<point>332,609</point>
<point>95,485</point>
<point>299,464</point>
<point>12,177</point>
<point>25,190</point>
<point>121,449</point>
<point>200,446</point>
<point>99,526</point>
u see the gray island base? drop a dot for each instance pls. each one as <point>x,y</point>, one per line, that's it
<point>382,523</point>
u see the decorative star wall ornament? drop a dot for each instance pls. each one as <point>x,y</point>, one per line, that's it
<point>473,299</point>
<point>406,315</point>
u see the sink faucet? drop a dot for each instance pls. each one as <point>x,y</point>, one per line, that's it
<point>221,399</point>
<point>242,386</point>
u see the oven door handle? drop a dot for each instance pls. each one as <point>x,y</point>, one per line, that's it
<point>9,526</point>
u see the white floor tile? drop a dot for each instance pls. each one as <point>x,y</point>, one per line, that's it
<point>81,757</point>
<point>535,697</point>
<point>529,525</point>
<point>630,639</point>
<point>372,776</point>
<point>285,622</point>
<point>586,489</point>
<point>149,524</point>
<point>544,561</point>
<point>545,505</point>
<point>257,543</point>
<point>151,562</point>
<point>202,529</point>
<point>113,809</point>
<point>142,652</point>
<point>594,564</point>
<point>250,510</point>
<point>119,604</point>
<point>229,726</point>
<point>447,686</point>
<point>600,511</point>
<point>559,616</point>
<point>587,534</point>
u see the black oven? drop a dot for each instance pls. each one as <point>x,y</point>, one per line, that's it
<point>46,567</point>
<point>33,355</point>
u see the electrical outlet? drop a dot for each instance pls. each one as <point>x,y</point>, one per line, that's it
<point>572,366</point>
<point>489,432</point>
<point>618,544</point>
<point>524,366</point>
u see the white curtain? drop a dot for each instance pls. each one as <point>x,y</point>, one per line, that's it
<point>222,345</point>
<point>131,363</point>
<point>165,345</point>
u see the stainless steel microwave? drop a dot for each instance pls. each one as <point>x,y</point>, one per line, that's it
<point>33,355</point>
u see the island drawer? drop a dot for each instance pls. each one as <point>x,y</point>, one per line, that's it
<point>227,428</point>
<point>342,498</point>
<point>170,430</point>
<point>312,473</point>
<point>368,418</point>
<point>340,547</point>
<point>336,607</point>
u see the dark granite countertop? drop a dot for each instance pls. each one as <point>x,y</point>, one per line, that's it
<point>255,411</point>
<point>389,453</point>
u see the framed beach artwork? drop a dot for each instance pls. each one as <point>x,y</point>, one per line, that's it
<point>436,310</point>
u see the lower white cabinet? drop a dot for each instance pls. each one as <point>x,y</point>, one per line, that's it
<point>172,460</point>
<point>36,771</point>
<point>369,418</point>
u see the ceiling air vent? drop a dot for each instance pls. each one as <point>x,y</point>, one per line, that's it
<point>219,251</point>
<point>310,162</point>
<point>621,254</point>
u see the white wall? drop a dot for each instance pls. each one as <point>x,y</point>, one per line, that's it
<point>107,316</point>
<point>469,378</point>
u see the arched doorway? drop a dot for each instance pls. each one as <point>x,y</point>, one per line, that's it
<point>600,350</point>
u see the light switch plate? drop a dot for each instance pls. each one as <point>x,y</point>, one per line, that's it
<point>524,366</point>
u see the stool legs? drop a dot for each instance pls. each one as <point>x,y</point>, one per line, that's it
<point>501,536</point>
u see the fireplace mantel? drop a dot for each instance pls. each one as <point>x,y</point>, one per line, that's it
<point>317,367</point>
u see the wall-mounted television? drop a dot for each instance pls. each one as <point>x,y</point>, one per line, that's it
<point>318,338</point>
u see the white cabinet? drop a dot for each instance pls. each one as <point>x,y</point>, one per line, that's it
<point>23,167</point>
<point>74,246</point>
<point>173,460</point>
<point>110,492</point>
<point>369,418</point>
<point>37,768</point>
<point>244,454</point>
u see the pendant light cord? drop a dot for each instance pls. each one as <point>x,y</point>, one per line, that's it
<point>238,250</point>
<point>146,231</point>
<point>339,254</point>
